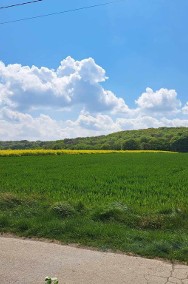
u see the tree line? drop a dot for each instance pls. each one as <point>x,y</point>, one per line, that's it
<point>163,138</point>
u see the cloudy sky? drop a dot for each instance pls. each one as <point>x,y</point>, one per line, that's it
<point>117,67</point>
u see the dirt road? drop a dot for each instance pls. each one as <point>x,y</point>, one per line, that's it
<point>29,262</point>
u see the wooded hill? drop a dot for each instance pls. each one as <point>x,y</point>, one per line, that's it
<point>167,139</point>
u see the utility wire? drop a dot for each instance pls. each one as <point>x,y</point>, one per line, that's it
<point>20,4</point>
<point>62,12</point>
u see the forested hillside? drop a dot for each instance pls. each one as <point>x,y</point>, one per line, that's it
<point>168,139</point>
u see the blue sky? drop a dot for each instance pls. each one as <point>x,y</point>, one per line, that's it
<point>137,44</point>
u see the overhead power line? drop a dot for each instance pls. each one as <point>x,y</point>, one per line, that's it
<point>61,12</point>
<point>20,4</point>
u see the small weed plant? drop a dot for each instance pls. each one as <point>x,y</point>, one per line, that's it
<point>49,280</point>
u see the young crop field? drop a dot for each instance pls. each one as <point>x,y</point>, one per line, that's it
<point>131,202</point>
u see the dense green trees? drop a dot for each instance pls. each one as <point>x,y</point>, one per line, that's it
<point>131,144</point>
<point>180,144</point>
<point>171,139</point>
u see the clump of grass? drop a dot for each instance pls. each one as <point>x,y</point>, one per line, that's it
<point>151,222</point>
<point>120,213</point>
<point>63,209</point>
<point>22,225</point>
<point>4,221</point>
<point>80,207</point>
<point>66,209</point>
<point>112,214</point>
<point>9,200</point>
<point>170,211</point>
<point>115,212</point>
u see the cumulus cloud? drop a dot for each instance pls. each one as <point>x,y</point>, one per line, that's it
<point>185,109</point>
<point>30,96</point>
<point>99,122</point>
<point>20,126</point>
<point>161,101</point>
<point>140,122</point>
<point>72,83</point>
<point>143,122</point>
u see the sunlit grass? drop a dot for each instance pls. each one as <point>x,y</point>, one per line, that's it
<point>133,202</point>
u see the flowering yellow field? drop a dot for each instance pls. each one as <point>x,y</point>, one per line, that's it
<point>72,152</point>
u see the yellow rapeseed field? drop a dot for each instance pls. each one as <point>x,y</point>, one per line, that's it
<point>72,152</point>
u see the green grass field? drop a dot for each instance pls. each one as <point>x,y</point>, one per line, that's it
<point>132,202</point>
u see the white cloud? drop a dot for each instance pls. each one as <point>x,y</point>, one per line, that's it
<point>73,83</point>
<point>143,122</point>
<point>176,122</point>
<point>85,69</point>
<point>99,122</point>
<point>19,126</point>
<point>30,96</point>
<point>185,109</point>
<point>140,122</point>
<point>161,101</point>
